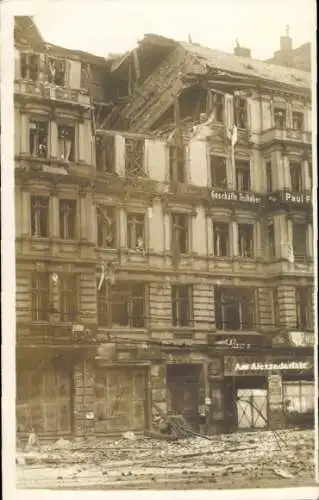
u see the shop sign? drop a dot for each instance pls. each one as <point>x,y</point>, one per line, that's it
<point>232,343</point>
<point>235,196</point>
<point>256,366</point>
<point>299,199</point>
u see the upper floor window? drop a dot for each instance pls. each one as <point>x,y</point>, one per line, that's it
<point>241,116</point>
<point>246,240</point>
<point>105,153</point>
<point>271,239</point>
<point>296,176</point>
<point>66,141</point>
<point>134,157</point>
<point>280,116</point>
<point>123,304</point>
<point>297,121</point>
<point>219,107</point>
<point>136,231</point>
<point>67,210</point>
<point>234,308</point>
<point>269,177</point>
<point>300,240</point>
<point>56,71</point>
<point>177,163</point>
<point>221,239</point>
<point>29,66</point>
<point>310,173</point>
<point>304,305</point>
<point>106,227</point>
<point>68,297</point>
<point>243,176</point>
<point>218,171</point>
<point>40,216</point>
<point>38,138</point>
<point>180,233</point>
<point>181,305</point>
<point>40,296</point>
<point>86,74</point>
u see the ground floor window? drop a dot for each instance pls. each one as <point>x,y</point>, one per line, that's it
<point>298,397</point>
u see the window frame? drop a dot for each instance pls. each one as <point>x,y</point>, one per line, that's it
<point>214,168</point>
<point>36,216</point>
<point>134,167</point>
<point>293,166</point>
<point>178,301</point>
<point>296,231</point>
<point>244,167</point>
<point>106,314</point>
<point>231,297</point>
<point>226,227</point>
<point>102,230</point>
<point>135,220</point>
<point>304,300</point>
<point>62,138</point>
<point>39,148</point>
<point>241,227</point>
<point>176,230</point>
<point>40,294</point>
<point>105,151</point>
<point>72,293</point>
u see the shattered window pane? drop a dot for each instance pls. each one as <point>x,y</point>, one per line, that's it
<point>134,157</point>
<point>38,138</point>
<point>136,231</point>
<point>246,240</point>
<point>106,227</point>
<point>66,142</point>
<point>105,154</point>
<point>56,69</point>
<point>298,396</point>
<point>40,216</point>
<point>29,66</point>
<point>218,171</point>
<point>234,309</point>
<point>122,305</point>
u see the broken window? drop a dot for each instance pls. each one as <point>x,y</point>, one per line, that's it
<point>296,176</point>
<point>304,309</point>
<point>56,71</point>
<point>38,138</point>
<point>68,297</point>
<point>105,154</point>
<point>234,308</point>
<point>298,396</point>
<point>122,304</point>
<point>134,157</point>
<point>246,240</point>
<point>177,163</point>
<point>243,176</point>
<point>66,138</point>
<point>300,237</point>
<point>218,171</point>
<point>219,106</point>
<point>29,66</point>
<point>181,305</point>
<point>269,176</point>
<point>180,233</point>
<point>136,231</point>
<point>106,227</point>
<point>40,216</point>
<point>271,239</point>
<point>297,121</point>
<point>40,296</point>
<point>86,74</point>
<point>241,117</point>
<point>280,117</point>
<point>221,239</point>
<point>67,210</point>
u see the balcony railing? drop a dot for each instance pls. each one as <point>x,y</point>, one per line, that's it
<point>285,135</point>
<point>49,334</point>
<point>47,91</point>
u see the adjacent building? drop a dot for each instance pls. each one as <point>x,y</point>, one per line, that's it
<point>163,239</point>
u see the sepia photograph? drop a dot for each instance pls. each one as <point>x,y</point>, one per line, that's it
<point>164,171</point>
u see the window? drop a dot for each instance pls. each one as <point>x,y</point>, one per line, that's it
<point>241,118</point>
<point>243,176</point>
<point>246,240</point>
<point>219,105</point>
<point>66,136</point>
<point>234,309</point>
<point>136,231</point>
<point>177,164</point>
<point>296,176</point>
<point>275,308</point>
<point>38,138</point>
<point>106,227</point>
<point>40,296</point>
<point>298,396</point>
<point>297,121</point>
<point>304,308</point>
<point>29,66</point>
<point>300,237</point>
<point>271,239</point>
<point>134,157</point>
<point>310,173</point>
<point>122,305</point>
<point>221,239</point>
<point>105,154</point>
<point>269,176</point>
<point>280,117</point>
<point>40,216</point>
<point>67,219</point>
<point>68,298</point>
<point>181,305</point>
<point>56,71</point>
<point>218,171</point>
<point>180,233</point>
<point>86,74</point>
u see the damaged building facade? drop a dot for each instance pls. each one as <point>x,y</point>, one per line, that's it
<point>163,239</point>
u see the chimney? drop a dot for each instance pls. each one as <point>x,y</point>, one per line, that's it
<point>286,42</point>
<point>242,51</point>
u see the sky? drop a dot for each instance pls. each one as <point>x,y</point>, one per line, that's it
<point>108,26</point>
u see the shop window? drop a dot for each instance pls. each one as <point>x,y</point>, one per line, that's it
<point>298,397</point>
<point>66,142</point>
<point>105,154</point>
<point>40,296</point>
<point>68,298</point>
<point>271,239</point>
<point>106,227</point>
<point>181,305</point>
<point>221,239</point>
<point>246,240</point>
<point>243,176</point>
<point>29,66</point>
<point>269,177</point>
<point>38,138</point>
<point>67,211</point>
<point>300,237</point>
<point>134,157</point>
<point>177,163</point>
<point>234,309</point>
<point>180,233</point>
<point>241,116</point>
<point>218,172</point>
<point>296,176</point>
<point>280,117</point>
<point>136,231</point>
<point>40,216</point>
<point>297,121</point>
<point>56,71</point>
<point>122,305</point>
<point>304,308</point>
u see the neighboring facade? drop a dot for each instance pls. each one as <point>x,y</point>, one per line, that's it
<point>154,273</point>
<point>298,58</point>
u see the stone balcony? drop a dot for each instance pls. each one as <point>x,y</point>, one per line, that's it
<point>43,90</point>
<point>285,136</point>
